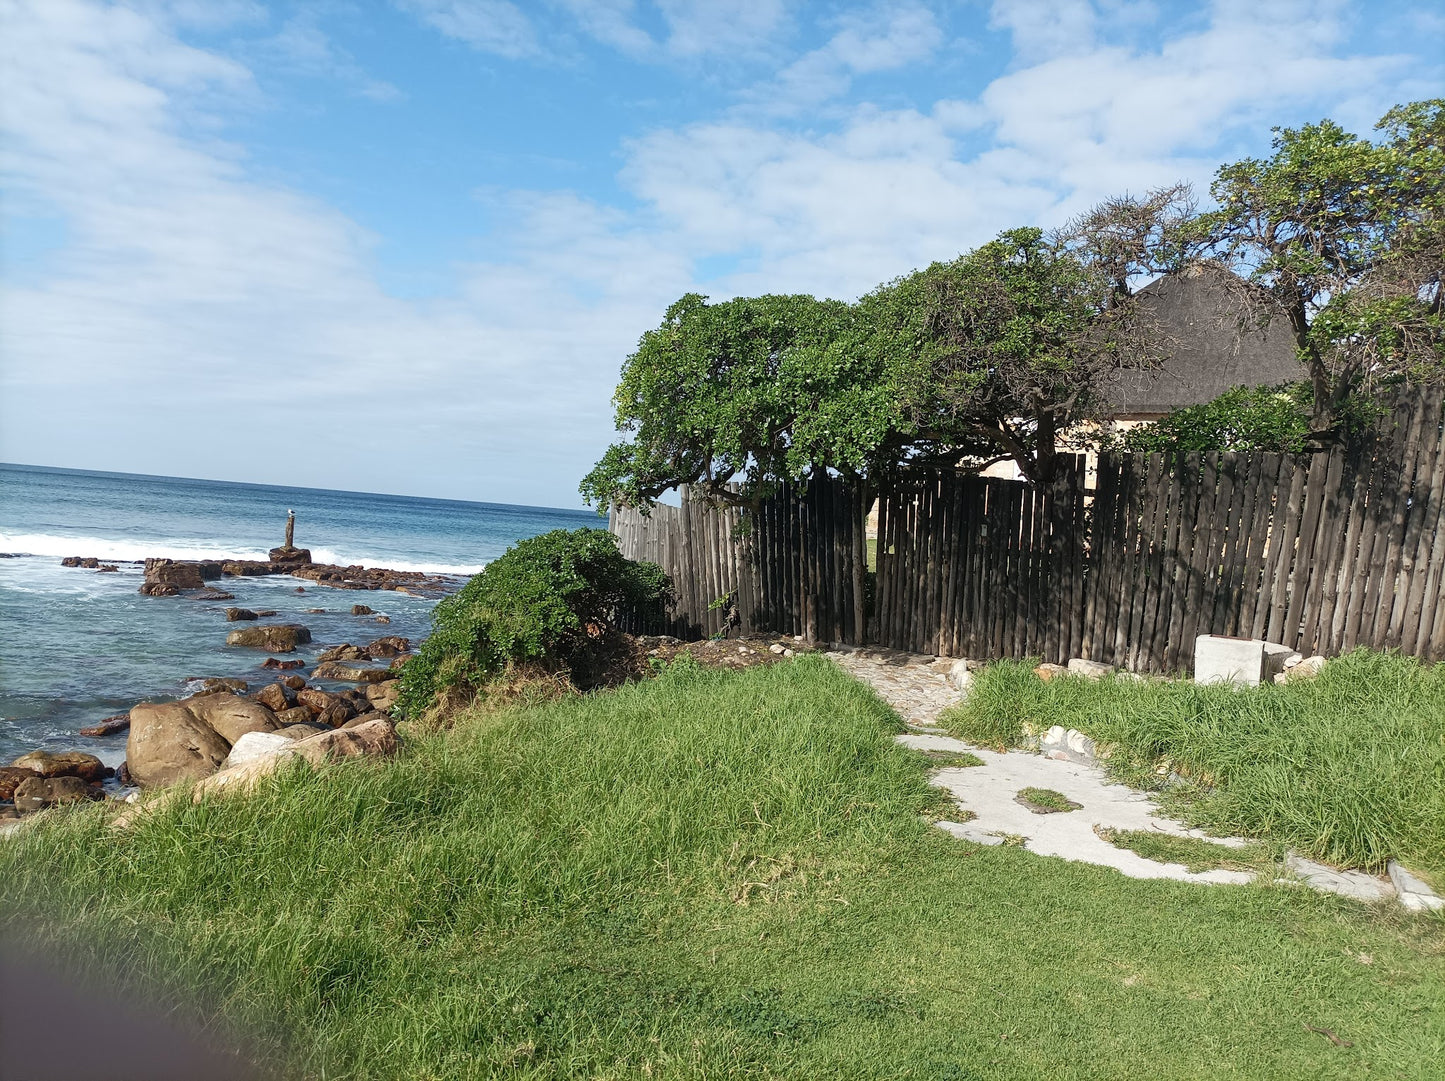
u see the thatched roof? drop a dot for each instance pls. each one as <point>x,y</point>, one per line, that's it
<point>1210,352</point>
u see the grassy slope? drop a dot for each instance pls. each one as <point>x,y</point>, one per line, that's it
<point>715,874</point>
<point>1349,767</point>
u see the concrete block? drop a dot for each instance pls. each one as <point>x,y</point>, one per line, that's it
<point>1218,659</point>
<point>959,676</point>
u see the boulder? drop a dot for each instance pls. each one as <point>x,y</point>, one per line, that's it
<point>254,745</point>
<point>231,716</point>
<point>238,615</point>
<point>361,610</point>
<point>1305,669</point>
<point>107,727</point>
<point>279,665</point>
<point>296,683</point>
<point>10,779</point>
<point>350,673</point>
<point>277,697</point>
<point>1078,666</point>
<point>301,730</point>
<point>373,738</point>
<point>277,638</point>
<point>344,652</point>
<point>1048,671</point>
<point>174,573</point>
<point>294,715</point>
<point>107,568</point>
<point>38,793</point>
<point>337,714</point>
<point>169,743</point>
<point>212,594</point>
<point>383,695</point>
<point>316,699</point>
<point>959,676</point>
<point>65,764</point>
<point>286,554</point>
<point>392,645</point>
<point>158,589</point>
<point>219,685</point>
<point>365,718</point>
<point>383,619</point>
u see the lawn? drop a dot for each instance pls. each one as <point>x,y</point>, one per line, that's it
<point>1348,767</point>
<point>711,874</point>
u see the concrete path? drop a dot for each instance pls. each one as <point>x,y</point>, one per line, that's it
<point>918,688</point>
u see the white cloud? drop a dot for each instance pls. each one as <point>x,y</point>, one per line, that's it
<point>302,47</point>
<point>491,26</point>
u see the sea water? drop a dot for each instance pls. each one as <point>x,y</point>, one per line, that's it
<point>78,645</point>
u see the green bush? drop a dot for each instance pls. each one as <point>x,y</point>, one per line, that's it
<point>550,600</point>
<point>1245,418</point>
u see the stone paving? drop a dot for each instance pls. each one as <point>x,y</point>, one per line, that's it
<point>919,688</point>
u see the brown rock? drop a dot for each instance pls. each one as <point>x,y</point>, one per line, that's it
<point>209,594</point>
<point>220,685</point>
<point>277,697</point>
<point>38,793</point>
<point>344,652</point>
<point>168,743</point>
<point>10,778</point>
<point>383,695</point>
<point>65,764</point>
<point>159,589</point>
<point>302,729</point>
<point>107,568</point>
<point>294,682</point>
<point>237,615</point>
<point>365,718</point>
<point>336,714</point>
<point>393,645</point>
<point>361,610</point>
<point>383,619</point>
<point>293,716</point>
<point>276,638</point>
<point>171,572</point>
<point>280,665</point>
<point>231,716</point>
<point>350,673</point>
<point>289,555</point>
<point>1047,671</point>
<point>107,727</point>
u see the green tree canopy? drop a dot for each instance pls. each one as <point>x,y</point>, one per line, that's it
<point>983,358</point>
<point>1343,238</point>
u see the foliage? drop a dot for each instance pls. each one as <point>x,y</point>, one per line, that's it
<point>706,875</point>
<point>547,600</point>
<point>1246,418</point>
<point>1346,767</point>
<point>983,358</point>
<point>1344,240</point>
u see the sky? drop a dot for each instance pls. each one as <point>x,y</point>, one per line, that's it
<point>407,246</point>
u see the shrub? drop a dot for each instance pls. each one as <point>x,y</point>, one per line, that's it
<point>548,601</point>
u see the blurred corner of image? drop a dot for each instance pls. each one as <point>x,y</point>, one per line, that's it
<point>61,1023</point>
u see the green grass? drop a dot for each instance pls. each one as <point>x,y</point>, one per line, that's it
<point>1046,801</point>
<point>1195,854</point>
<point>951,759</point>
<point>1348,767</point>
<point>708,875</point>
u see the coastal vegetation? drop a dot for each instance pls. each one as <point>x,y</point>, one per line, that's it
<point>542,608</point>
<point>706,874</point>
<point>1348,767</point>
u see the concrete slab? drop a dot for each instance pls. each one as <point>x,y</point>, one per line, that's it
<point>1353,884</point>
<point>1413,892</point>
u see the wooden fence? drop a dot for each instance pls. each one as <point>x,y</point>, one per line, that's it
<point>1320,553</point>
<point>793,566</point>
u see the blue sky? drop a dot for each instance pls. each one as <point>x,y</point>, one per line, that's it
<point>405,246</point>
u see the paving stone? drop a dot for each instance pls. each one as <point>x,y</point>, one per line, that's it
<point>1414,893</point>
<point>1354,884</point>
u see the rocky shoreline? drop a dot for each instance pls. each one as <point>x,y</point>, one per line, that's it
<point>232,725</point>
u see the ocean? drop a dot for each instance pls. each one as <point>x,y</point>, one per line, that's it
<point>78,645</point>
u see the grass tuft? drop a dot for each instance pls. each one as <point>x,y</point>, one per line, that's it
<point>1046,801</point>
<point>1194,853</point>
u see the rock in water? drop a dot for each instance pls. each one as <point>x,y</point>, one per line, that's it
<point>361,610</point>
<point>278,638</point>
<point>108,727</point>
<point>289,555</point>
<point>349,673</point>
<point>163,573</point>
<point>65,764</point>
<point>239,615</point>
<point>393,645</point>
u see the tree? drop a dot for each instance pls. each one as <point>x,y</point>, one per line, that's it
<point>1343,238</point>
<point>998,352</point>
